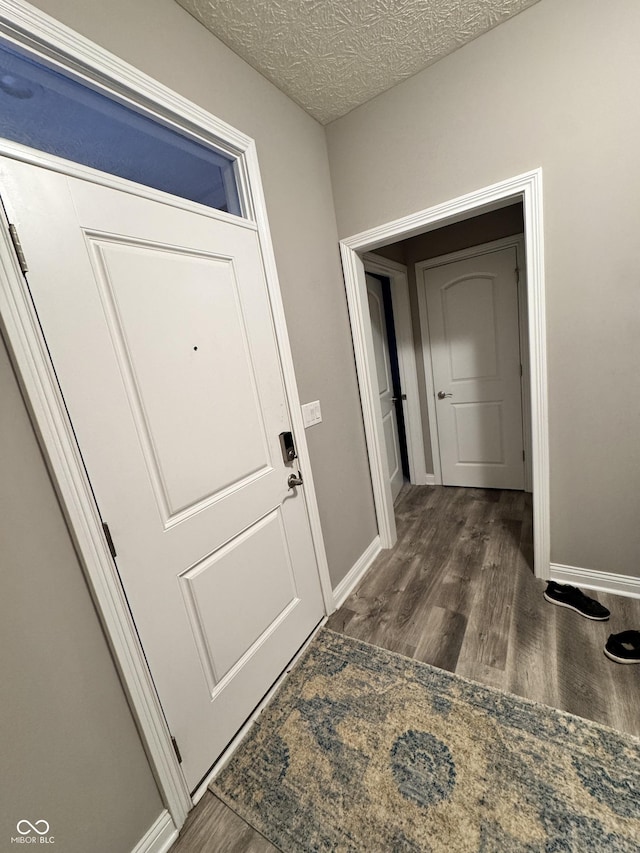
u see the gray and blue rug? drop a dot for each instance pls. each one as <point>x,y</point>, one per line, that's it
<point>365,750</point>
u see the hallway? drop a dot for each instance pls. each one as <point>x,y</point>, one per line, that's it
<point>457,591</point>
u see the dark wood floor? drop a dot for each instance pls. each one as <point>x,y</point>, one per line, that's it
<point>458,592</point>
<point>213,828</point>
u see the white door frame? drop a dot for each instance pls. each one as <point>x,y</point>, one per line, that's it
<point>397,275</point>
<point>54,44</point>
<point>516,242</point>
<point>527,188</point>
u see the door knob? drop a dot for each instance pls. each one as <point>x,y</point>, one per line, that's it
<point>442,395</point>
<point>293,481</point>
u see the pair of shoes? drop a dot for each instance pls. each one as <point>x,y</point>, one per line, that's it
<point>623,647</point>
<point>574,599</point>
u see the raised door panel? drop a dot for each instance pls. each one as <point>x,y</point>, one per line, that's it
<point>392,445</point>
<point>379,332</point>
<point>469,315</point>
<point>217,586</point>
<point>177,326</point>
<point>479,433</point>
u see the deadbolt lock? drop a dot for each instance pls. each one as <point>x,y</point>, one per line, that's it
<point>288,447</point>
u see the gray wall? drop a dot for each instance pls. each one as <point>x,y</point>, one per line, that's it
<point>71,754</point>
<point>475,231</point>
<point>163,40</point>
<point>555,87</point>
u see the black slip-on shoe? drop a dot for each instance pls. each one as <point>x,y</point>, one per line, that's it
<point>623,647</point>
<point>574,599</point>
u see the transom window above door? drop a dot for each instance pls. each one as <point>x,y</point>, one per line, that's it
<point>50,111</point>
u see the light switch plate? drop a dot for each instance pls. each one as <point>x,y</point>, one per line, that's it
<point>311,413</point>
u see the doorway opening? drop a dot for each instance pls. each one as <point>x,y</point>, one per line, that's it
<point>468,432</point>
<point>469,318</point>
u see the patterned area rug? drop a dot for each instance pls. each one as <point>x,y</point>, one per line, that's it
<point>365,750</point>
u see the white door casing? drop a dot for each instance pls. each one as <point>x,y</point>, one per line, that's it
<point>473,329</point>
<point>385,383</point>
<point>141,304</point>
<point>529,188</point>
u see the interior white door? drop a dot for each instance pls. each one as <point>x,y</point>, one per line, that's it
<point>159,325</point>
<point>472,308</point>
<point>385,383</point>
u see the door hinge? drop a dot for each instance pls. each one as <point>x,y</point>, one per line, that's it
<point>520,370</point>
<point>107,536</point>
<point>176,749</point>
<point>517,275</point>
<point>17,245</point>
<point>523,456</point>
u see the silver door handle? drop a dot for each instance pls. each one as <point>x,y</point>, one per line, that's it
<point>442,395</point>
<point>293,481</point>
<point>397,399</point>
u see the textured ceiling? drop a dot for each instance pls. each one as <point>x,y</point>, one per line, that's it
<point>333,55</point>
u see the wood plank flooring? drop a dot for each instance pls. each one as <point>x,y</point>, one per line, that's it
<point>458,592</point>
<point>213,828</point>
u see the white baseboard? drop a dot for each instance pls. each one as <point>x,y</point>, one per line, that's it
<point>600,581</point>
<point>356,573</point>
<point>429,479</point>
<point>159,837</point>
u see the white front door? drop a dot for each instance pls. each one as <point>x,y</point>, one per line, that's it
<point>385,383</point>
<point>159,326</point>
<point>472,308</point>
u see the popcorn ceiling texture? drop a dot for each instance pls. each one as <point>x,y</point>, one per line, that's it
<point>330,56</point>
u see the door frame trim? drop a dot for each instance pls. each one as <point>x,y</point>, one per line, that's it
<point>397,275</point>
<point>53,43</point>
<point>516,242</point>
<point>528,188</point>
